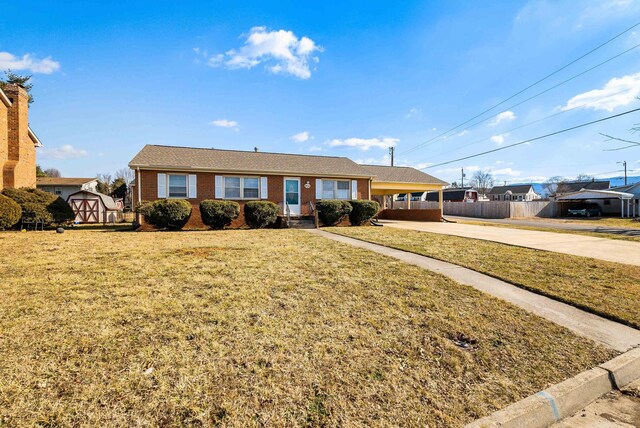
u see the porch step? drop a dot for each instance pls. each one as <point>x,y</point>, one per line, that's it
<point>304,222</point>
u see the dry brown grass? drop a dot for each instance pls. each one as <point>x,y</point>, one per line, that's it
<point>605,288</point>
<point>255,328</point>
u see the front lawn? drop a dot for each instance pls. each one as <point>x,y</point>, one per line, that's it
<point>256,328</point>
<point>605,288</point>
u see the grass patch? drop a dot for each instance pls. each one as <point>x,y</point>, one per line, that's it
<point>609,289</point>
<point>256,328</point>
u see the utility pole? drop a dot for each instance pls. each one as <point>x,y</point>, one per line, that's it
<point>462,181</point>
<point>391,150</point>
<point>624,163</point>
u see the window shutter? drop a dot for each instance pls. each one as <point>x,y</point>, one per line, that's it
<point>162,185</point>
<point>318,188</point>
<point>193,192</point>
<point>219,189</point>
<point>354,189</point>
<point>263,188</point>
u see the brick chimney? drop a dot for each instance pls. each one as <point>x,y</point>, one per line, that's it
<point>20,168</point>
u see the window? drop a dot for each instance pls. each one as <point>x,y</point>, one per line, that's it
<point>177,186</point>
<point>250,188</point>
<point>335,189</point>
<point>57,191</point>
<point>241,188</point>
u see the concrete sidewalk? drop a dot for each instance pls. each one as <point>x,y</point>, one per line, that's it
<point>609,333</point>
<point>612,250</point>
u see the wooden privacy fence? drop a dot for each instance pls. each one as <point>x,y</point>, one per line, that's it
<point>489,209</point>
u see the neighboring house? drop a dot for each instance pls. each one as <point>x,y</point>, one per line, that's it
<point>517,192</point>
<point>66,186</point>
<point>295,182</point>
<point>565,188</point>
<point>17,141</point>
<point>94,207</point>
<point>634,208</point>
<point>462,194</point>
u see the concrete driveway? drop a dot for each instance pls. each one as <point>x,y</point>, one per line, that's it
<point>612,250</point>
<point>555,224</point>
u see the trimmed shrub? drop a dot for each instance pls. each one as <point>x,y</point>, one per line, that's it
<point>170,214</point>
<point>219,214</point>
<point>260,214</point>
<point>10,212</point>
<point>332,211</point>
<point>41,206</point>
<point>144,208</point>
<point>362,211</point>
<point>61,211</point>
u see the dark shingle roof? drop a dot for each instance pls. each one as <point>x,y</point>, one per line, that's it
<point>160,157</point>
<point>576,186</point>
<point>401,174</point>
<point>62,181</point>
<point>152,156</point>
<point>516,188</point>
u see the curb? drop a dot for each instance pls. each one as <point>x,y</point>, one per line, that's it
<point>566,398</point>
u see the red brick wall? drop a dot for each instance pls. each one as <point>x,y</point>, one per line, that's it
<point>410,215</point>
<point>19,170</point>
<point>206,190</point>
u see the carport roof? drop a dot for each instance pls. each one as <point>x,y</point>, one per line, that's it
<point>585,194</point>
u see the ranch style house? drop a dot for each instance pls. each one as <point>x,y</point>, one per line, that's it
<point>295,182</point>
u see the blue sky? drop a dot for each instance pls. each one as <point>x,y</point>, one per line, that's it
<point>317,78</point>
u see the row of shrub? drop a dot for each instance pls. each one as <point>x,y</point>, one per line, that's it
<point>334,211</point>
<point>33,205</point>
<point>173,214</point>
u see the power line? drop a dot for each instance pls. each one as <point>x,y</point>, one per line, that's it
<point>529,124</point>
<point>535,139</point>
<point>527,88</point>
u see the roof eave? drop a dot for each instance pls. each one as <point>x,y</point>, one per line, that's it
<point>241,171</point>
<point>34,138</point>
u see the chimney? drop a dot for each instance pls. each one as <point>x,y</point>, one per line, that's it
<point>21,153</point>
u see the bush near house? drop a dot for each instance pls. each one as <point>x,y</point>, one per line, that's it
<point>332,211</point>
<point>362,211</point>
<point>10,212</point>
<point>260,214</point>
<point>219,214</point>
<point>41,206</point>
<point>170,214</point>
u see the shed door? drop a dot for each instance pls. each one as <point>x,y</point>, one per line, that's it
<point>87,210</point>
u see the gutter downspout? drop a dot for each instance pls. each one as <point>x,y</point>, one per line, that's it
<point>139,186</point>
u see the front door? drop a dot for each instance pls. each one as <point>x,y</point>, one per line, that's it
<point>292,195</point>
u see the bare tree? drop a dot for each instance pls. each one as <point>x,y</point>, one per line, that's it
<point>584,177</point>
<point>550,186</point>
<point>126,174</point>
<point>104,182</point>
<point>482,181</point>
<point>52,172</point>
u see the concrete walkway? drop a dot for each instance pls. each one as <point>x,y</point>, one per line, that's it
<point>612,250</point>
<point>609,333</point>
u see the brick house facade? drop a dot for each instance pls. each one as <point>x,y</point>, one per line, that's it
<point>17,142</point>
<point>196,174</point>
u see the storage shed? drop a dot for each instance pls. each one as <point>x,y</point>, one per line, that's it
<point>94,207</point>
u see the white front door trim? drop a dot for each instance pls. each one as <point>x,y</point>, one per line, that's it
<point>293,207</point>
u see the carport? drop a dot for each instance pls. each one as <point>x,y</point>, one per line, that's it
<point>586,195</point>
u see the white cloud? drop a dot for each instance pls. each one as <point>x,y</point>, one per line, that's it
<point>413,112</point>
<point>62,153</point>
<point>505,115</point>
<point>281,51</point>
<point>315,149</point>
<point>498,139</point>
<point>364,144</point>
<point>300,137</point>
<point>463,133</point>
<point>617,92</point>
<point>456,170</point>
<point>506,171</point>
<point>384,160</point>
<point>28,63</point>
<point>225,123</point>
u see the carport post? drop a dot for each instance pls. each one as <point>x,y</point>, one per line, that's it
<point>408,198</point>
<point>622,203</point>
<point>441,202</point>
